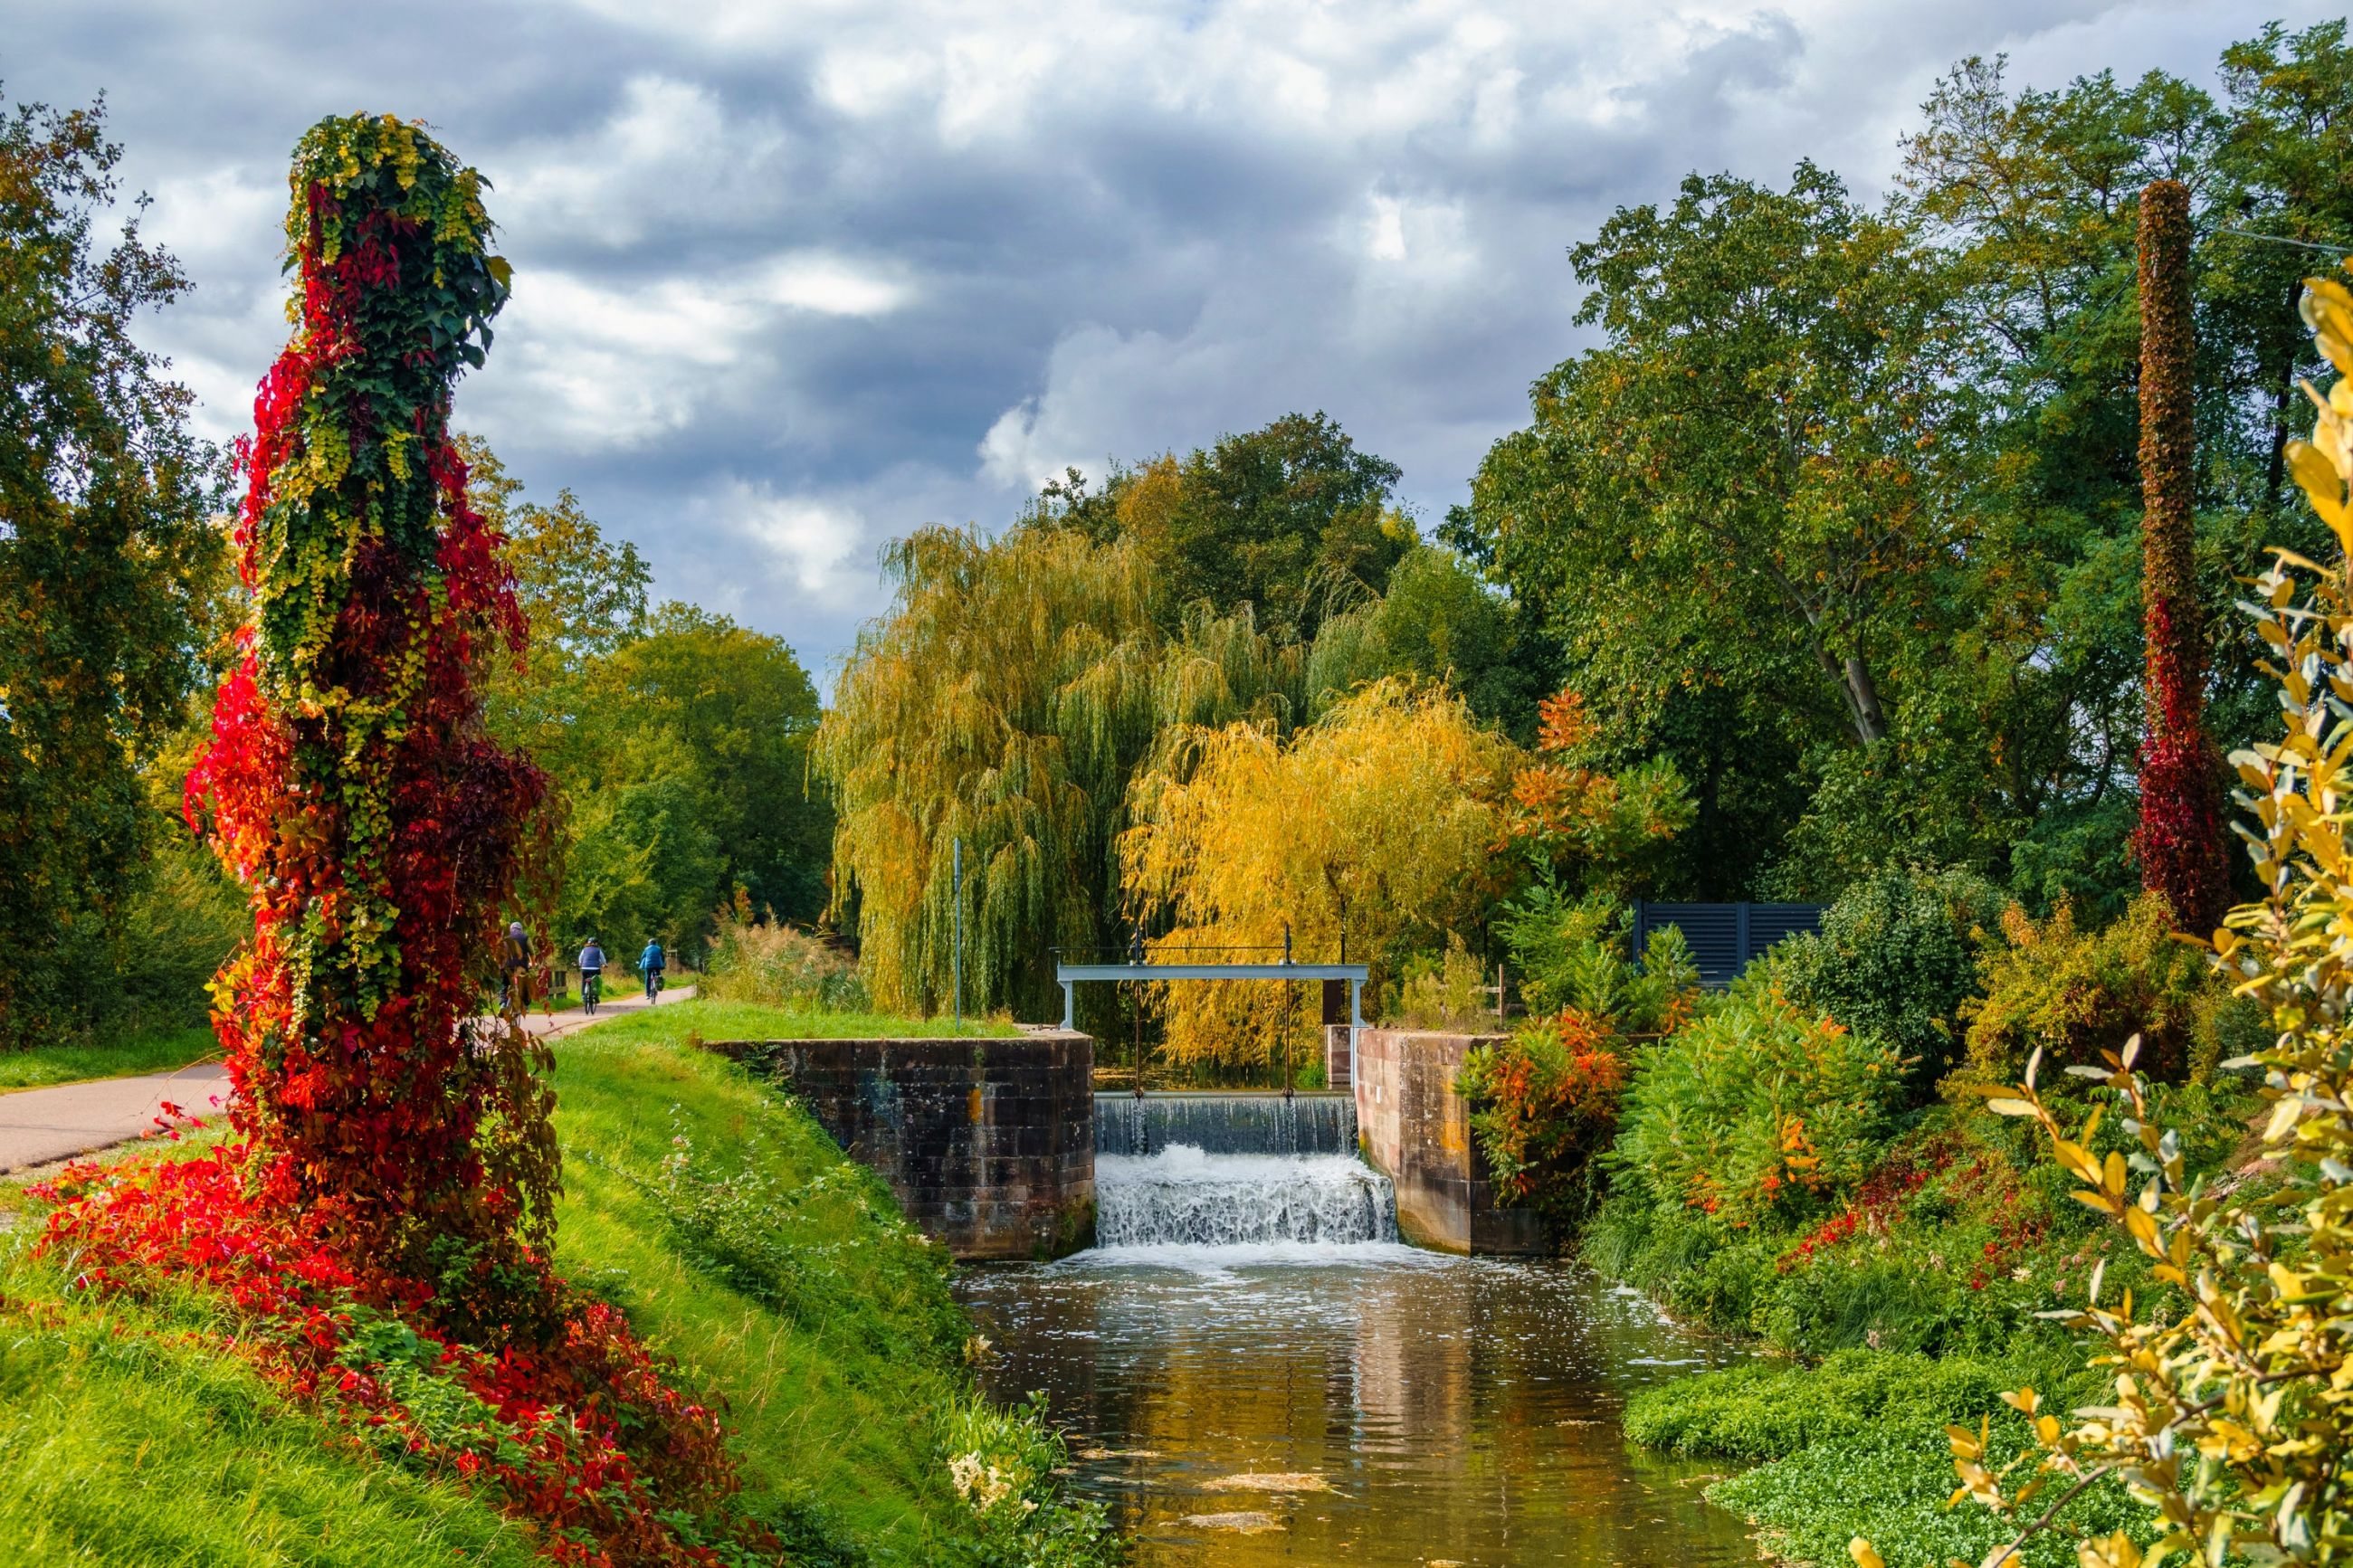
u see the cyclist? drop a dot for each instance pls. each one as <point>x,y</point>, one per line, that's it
<point>652,962</point>
<point>592,974</point>
<point>514,966</point>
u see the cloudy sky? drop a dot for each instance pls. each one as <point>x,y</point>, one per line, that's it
<point>792,279</point>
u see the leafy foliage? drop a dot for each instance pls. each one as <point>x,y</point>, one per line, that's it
<point>106,564</point>
<point>1373,826</point>
<point>350,784</point>
<point>1007,700</point>
<point>1544,1103</point>
<point>1897,958</point>
<point>2071,994</point>
<point>1571,955</point>
<point>1758,1109</point>
<point>2249,1378</point>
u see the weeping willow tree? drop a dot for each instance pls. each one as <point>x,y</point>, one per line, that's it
<point>1381,819</point>
<point>1006,699</point>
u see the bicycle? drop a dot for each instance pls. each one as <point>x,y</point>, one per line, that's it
<point>653,987</point>
<point>592,986</point>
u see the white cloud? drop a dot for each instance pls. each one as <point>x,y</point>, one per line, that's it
<point>793,279</point>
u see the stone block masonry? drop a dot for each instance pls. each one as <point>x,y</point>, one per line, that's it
<point>988,1143</point>
<point>1415,1128</point>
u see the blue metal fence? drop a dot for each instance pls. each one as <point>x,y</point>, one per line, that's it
<point>1723,937</point>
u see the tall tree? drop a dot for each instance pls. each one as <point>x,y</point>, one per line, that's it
<point>2180,840</point>
<point>1006,699</point>
<point>105,555</point>
<point>1739,516</point>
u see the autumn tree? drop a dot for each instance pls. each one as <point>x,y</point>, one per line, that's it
<point>352,784</point>
<point>2180,840</point>
<point>1378,823</point>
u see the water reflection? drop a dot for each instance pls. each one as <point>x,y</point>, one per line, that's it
<point>1461,1410</point>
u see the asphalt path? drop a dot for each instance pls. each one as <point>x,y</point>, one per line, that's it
<point>66,1120</point>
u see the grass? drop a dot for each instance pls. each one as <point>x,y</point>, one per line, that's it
<point>160,1050</point>
<point>833,1389</point>
<point>676,1023</point>
<point>128,1447</point>
<point>786,1283</point>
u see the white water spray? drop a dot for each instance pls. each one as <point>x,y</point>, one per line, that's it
<point>1184,1197</point>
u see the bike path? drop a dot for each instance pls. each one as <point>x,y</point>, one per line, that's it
<point>64,1122</point>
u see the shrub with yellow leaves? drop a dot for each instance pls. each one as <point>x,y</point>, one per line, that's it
<point>2233,1418</point>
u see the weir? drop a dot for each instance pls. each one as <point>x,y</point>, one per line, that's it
<point>1225,1124</point>
<point>1235,1170</point>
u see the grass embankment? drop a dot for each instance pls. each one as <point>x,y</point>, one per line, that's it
<point>158,1050</point>
<point>719,1217</point>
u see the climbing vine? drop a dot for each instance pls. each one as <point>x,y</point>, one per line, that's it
<point>2179,840</point>
<point>350,784</point>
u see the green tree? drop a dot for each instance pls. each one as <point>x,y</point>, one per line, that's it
<point>1739,517</point>
<point>744,710</point>
<point>1290,521</point>
<point>106,560</point>
<point>1436,621</point>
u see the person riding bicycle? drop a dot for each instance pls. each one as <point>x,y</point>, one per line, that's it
<point>651,962</point>
<point>514,967</point>
<point>592,974</point>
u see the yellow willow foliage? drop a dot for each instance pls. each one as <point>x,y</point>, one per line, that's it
<point>1381,818</point>
<point>1007,699</point>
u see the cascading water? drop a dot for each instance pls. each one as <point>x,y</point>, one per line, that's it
<point>1235,1170</point>
<point>1185,1197</point>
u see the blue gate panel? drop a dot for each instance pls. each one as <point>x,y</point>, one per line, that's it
<point>1725,938</point>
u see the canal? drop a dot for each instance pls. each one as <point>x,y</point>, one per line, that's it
<point>1254,1370</point>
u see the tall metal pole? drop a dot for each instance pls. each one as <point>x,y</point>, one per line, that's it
<point>957,962</point>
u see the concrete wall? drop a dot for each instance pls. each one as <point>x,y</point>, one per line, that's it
<point>989,1144</point>
<point>1417,1131</point>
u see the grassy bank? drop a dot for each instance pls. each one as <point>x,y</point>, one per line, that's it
<point>717,1216</point>
<point>149,1050</point>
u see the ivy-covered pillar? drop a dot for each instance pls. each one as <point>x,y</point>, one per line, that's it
<point>2179,841</point>
<point>350,784</point>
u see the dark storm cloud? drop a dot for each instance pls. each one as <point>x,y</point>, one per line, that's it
<point>793,279</point>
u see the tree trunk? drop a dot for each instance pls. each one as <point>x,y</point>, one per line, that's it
<point>2179,841</point>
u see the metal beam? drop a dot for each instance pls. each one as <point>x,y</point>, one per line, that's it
<point>1066,973</point>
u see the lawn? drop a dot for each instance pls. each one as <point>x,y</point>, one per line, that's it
<point>790,1288</point>
<point>163,1050</point>
<point>694,1019</point>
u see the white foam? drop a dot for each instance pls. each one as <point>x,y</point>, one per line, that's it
<point>1183,1198</point>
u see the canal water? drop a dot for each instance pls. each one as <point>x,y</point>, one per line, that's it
<point>1253,1371</point>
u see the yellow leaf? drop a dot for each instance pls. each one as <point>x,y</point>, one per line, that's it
<point>1864,1557</point>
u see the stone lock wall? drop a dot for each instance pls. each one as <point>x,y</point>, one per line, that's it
<point>1415,1128</point>
<point>988,1143</point>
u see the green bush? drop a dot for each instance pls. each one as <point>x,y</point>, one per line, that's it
<point>1769,1410</point>
<point>1897,958</point>
<point>1444,992</point>
<point>1571,953</point>
<point>1756,1113</point>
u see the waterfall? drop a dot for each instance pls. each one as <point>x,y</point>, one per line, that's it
<point>1184,1197</point>
<point>1225,1124</point>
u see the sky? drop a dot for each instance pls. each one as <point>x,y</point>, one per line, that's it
<point>792,280</point>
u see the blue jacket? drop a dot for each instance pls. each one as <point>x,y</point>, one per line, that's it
<point>652,957</point>
<point>592,957</point>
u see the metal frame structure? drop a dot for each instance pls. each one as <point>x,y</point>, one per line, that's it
<point>1068,976</point>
